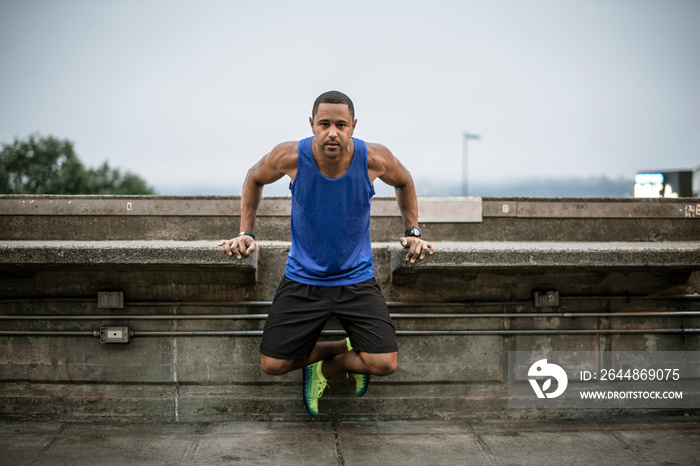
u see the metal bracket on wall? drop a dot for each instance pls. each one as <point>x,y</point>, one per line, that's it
<point>110,299</point>
<point>546,298</point>
<point>114,334</point>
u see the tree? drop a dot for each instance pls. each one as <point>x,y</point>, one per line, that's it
<point>47,165</point>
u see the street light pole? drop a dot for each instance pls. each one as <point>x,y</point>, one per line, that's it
<point>465,142</point>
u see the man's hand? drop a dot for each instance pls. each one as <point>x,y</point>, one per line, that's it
<point>241,246</point>
<point>417,248</point>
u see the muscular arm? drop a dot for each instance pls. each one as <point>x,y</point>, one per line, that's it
<point>383,165</point>
<point>282,160</point>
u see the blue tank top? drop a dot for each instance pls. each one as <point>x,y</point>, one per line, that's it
<point>330,222</point>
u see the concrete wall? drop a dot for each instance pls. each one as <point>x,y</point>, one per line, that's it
<point>196,314</point>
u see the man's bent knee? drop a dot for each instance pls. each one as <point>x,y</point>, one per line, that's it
<point>381,364</point>
<point>273,366</point>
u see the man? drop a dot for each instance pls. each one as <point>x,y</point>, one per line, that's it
<point>330,272</point>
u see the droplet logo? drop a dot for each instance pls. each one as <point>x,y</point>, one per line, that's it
<point>541,369</point>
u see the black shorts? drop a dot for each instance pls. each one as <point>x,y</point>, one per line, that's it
<point>299,313</point>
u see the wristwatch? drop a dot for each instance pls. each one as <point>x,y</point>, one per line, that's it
<point>413,231</point>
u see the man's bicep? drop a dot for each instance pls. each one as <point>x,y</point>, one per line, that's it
<point>263,172</point>
<point>386,167</point>
<point>395,174</point>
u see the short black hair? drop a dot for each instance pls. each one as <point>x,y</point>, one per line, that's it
<point>333,97</point>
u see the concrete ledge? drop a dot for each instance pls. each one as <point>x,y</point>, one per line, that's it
<point>185,253</point>
<point>431,209</point>
<point>471,256</point>
<point>527,255</point>
<point>183,218</point>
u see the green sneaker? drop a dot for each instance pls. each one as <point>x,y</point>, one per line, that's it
<point>361,380</point>
<point>314,384</point>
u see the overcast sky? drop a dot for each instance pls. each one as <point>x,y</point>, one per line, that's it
<point>191,93</point>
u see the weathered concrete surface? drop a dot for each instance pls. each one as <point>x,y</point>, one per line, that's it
<point>607,257</point>
<point>610,255</point>
<point>96,218</point>
<point>116,253</point>
<point>184,228</point>
<point>643,441</point>
<point>465,270</point>
<point>218,378</point>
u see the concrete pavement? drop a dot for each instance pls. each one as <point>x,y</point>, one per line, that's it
<point>646,440</point>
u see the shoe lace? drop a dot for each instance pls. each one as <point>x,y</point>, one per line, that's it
<point>320,387</point>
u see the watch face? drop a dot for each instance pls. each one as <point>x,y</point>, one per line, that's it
<point>415,231</point>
